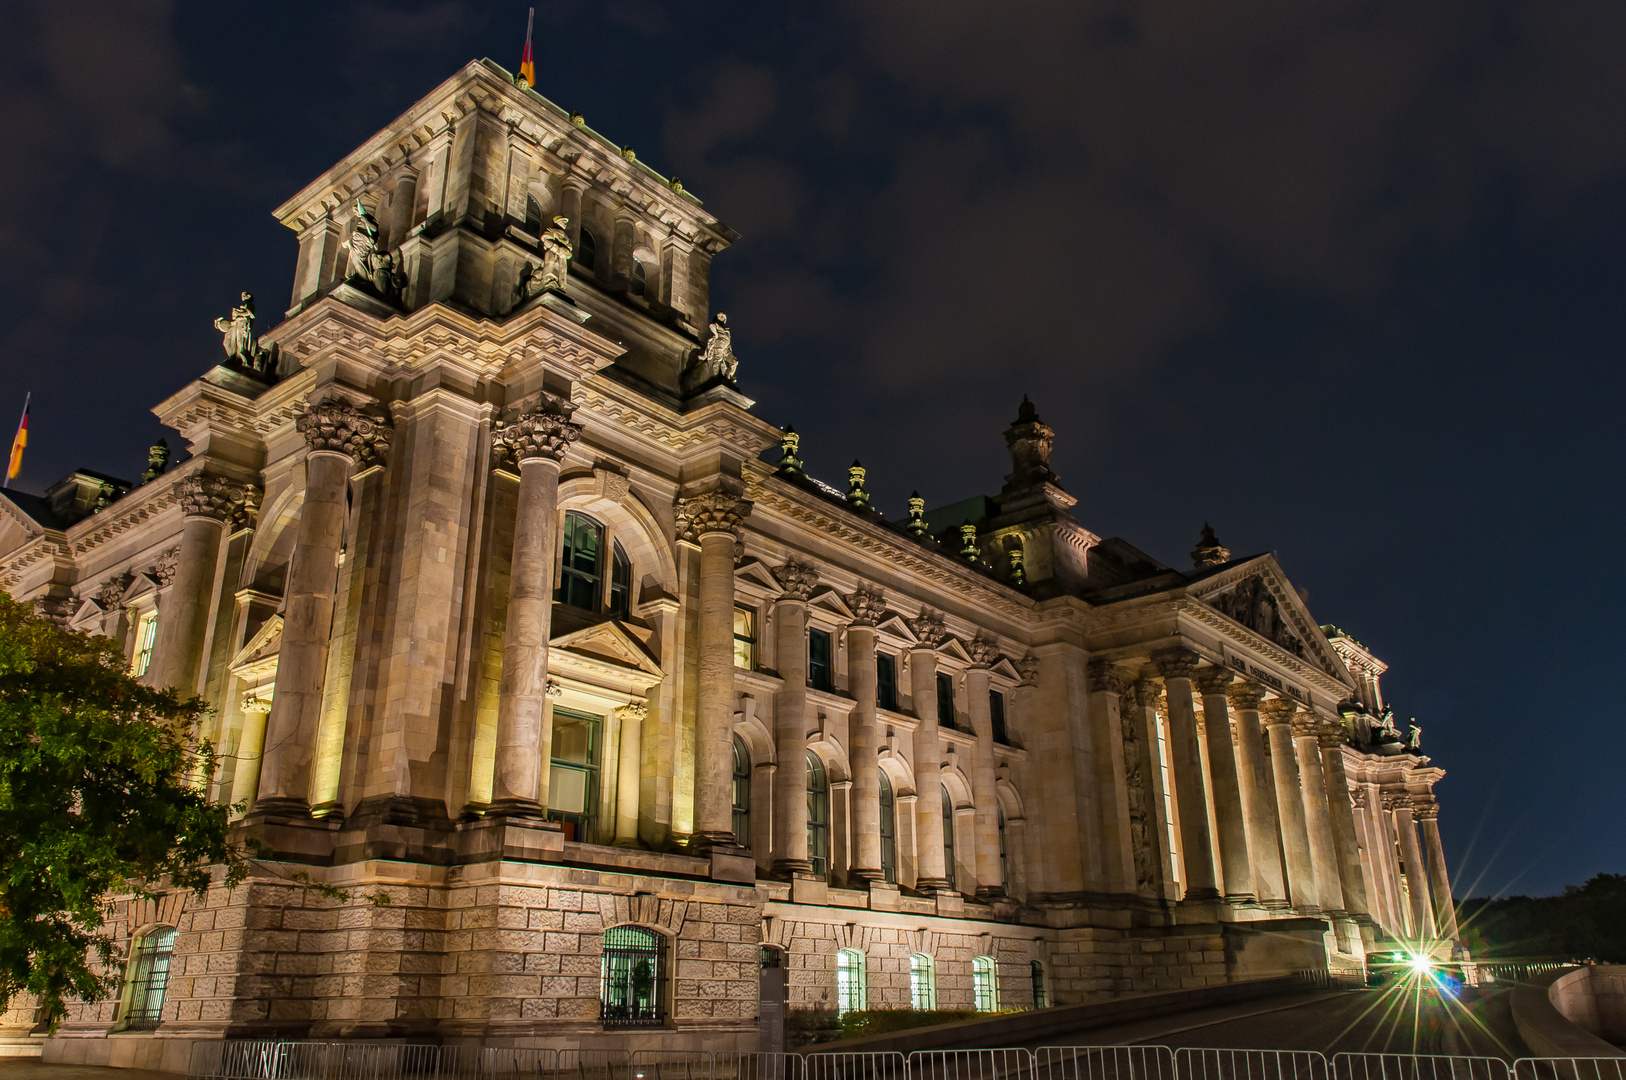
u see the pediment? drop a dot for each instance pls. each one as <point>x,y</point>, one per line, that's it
<point>1007,669</point>
<point>610,642</point>
<point>827,599</point>
<point>143,584</point>
<point>88,613</point>
<point>894,624</point>
<point>952,647</point>
<point>1258,596</point>
<point>754,572</point>
<point>263,647</point>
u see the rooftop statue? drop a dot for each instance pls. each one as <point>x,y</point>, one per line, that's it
<point>243,349</point>
<point>555,269</point>
<point>717,359</point>
<point>370,263</point>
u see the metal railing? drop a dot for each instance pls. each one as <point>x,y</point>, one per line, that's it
<point>276,1059</point>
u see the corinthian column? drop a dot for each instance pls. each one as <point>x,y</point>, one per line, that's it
<point>790,718</point>
<point>1258,800</point>
<point>1235,862</point>
<point>1191,793</point>
<point>1445,908</point>
<point>1343,818</point>
<point>335,435</point>
<point>630,774</point>
<point>984,655</point>
<point>1317,816</point>
<point>537,440</point>
<point>867,606</point>
<point>930,632</point>
<point>206,502</point>
<point>713,521</point>
<point>1422,918</point>
<point>1284,767</point>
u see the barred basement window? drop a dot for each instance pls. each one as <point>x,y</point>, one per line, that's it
<point>984,984</point>
<point>633,991</point>
<point>922,983</point>
<point>850,988</point>
<point>149,977</point>
<point>1041,1000</point>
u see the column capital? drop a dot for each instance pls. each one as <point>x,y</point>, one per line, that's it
<point>1147,693</point>
<point>710,512</point>
<point>930,628</point>
<point>542,433</point>
<point>1424,809</point>
<point>868,605</point>
<point>797,579</point>
<point>206,495</point>
<point>1245,695</point>
<point>1331,734</point>
<point>634,710</point>
<point>1028,669</point>
<point>336,426</point>
<point>983,650</point>
<point>1358,797</point>
<point>1104,678</point>
<point>1306,725</point>
<point>1176,663</point>
<point>1213,679</point>
<point>1396,800</point>
<point>1278,710</point>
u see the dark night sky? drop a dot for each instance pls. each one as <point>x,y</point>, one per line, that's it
<point>1343,278</point>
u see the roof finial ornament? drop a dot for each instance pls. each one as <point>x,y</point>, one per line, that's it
<point>1209,551</point>
<point>968,543</point>
<point>789,443</point>
<point>1029,441</point>
<point>916,525</point>
<point>157,459</point>
<point>857,497</point>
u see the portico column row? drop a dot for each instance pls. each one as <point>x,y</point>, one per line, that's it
<point>867,606</point>
<point>538,440</point>
<point>1342,812</point>
<point>1301,883</point>
<point>790,718</point>
<point>1422,915</point>
<point>1191,793</point>
<point>930,872</point>
<point>713,520</point>
<point>1317,816</point>
<point>1258,797</point>
<point>336,435</point>
<point>1235,863</point>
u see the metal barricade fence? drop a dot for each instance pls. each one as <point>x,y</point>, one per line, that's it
<point>840,1066</point>
<point>1103,1063</point>
<point>1570,1069</point>
<point>992,1064</point>
<point>519,1063</point>
<point>672,1065</point>
<point>1192,1063</point>
<point>1348,1066</point>
<point>594,1065</point>
<point>744,1065</point>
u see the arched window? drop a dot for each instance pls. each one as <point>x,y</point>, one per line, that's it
<point>948,836</point>
<point>148,978</point>
<point>586,254</point>
<point>818,816</point>
<point>533,216</point>
<point>620,581</point>
<point>889,832</point>
<point>851,993</point>
<point>581,584</point>
<point>638,282</point>
<point>922,982</point>
<point>984,984</point>
<point>632,992</point>
<point>1041,999</point>
<point>742,793</point>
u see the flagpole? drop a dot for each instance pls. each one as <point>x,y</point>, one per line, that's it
<point>27,398</point>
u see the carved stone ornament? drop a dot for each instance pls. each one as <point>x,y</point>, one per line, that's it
<point>254,704</point>
<point>1148,693</point>
<point>635,710</point>
<point>797,579</point>
<point>1245,695</point>
<point>163,571</point>
<point>1028,669</point>
<point>1278,711</point>
<point>112,591</point>
<point>1425,809</point>
<point>717,359</point>
<point>1104,678</point>
<point>1029,441</point>
<point>1252,604</point>
<point>1330,734</point>
<point>56,609</point>
<point>714,511</point>
<point>1396,800</point>
<point>336,426</point>
<point>1358,798</point>
<point>1306,725</point>
<point>1213,679</point>
<point>372,267</point>
<point>554,690</point>
<point>929,628</point>
<point>868,605</point>
<point>544,432</point>
<point>1209,551</point>
<point>1175,663</point>
<point>984,651</point>
<point>206,495</point>
<point>243,348</point>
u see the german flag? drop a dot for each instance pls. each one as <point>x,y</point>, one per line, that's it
<point>527,62</point>
<point>17,444</point>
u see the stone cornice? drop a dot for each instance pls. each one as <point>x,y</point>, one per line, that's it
<point>50,545</point>
<point>716,424</point>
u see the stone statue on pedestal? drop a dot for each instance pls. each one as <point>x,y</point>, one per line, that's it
<point>371,264</point>
<point>555,269</point>
<point>243,349</point>
<point>717,359</point>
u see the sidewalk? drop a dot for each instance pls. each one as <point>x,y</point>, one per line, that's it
<point>34,1069</point>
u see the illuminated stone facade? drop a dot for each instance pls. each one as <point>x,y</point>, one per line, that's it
<point>509,607</point>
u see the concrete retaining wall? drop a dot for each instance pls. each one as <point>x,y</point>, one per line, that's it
<point>1545,1030</point>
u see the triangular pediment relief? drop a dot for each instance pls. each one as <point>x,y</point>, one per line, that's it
<point>88,613</point>
<point>1007,669</point>
<point>265,645</point>
<point>143,584</point>
<point>755,573</point>
<point>1258,596</point>
<point>827,599</point>
<point>610,642</point>
<point>951,647</point>
<point>894,624</point>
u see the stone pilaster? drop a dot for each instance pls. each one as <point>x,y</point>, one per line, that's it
<point>985,828</point>
<point>630,768</point>
<point>1422,914</point>
<point>867,605</point>
<point>1445,908</point>
<point>713,521</point>
<point>1024,706</point>
<point>336,436</point>
<point>1258,798</point>
<point>1235,862</point>
<point>537,441</point>
<point>1191,792</point>
<point>798,580</point>
<point>207,503</point>
<point>1317,815</point>
<point>930,872</point>
<point>1301,880</point>
<point>1342,812</point>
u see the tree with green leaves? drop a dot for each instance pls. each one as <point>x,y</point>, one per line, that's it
<point>98,798</point>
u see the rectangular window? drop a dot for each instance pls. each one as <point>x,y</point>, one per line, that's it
<point>574,773</point>
<point>745,637</point>
<point>945,699</point>
<point>818,660</point>
<point>886,681</point>
<point>996,714</point>
<point>146,638</point>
